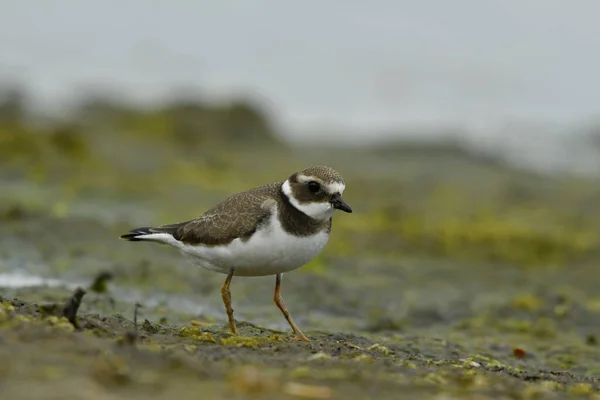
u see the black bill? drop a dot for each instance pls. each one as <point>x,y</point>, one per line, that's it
<point>339,203</point>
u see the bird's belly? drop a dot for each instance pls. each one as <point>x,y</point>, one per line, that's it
<point>269,251</point>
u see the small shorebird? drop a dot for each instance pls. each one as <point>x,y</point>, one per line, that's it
<point>267,230</point>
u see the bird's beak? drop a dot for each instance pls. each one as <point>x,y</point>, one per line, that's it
<point>339,203</point>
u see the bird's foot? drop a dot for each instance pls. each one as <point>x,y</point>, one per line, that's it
<point>300,338</point>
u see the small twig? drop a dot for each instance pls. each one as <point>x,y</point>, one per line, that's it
<point>135,315</point>
<point>100,285</point>
<point>72,306</point>
<point>100,282</point>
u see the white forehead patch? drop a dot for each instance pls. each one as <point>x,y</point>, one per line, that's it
<point>320,211</point>
<point>335,187</point>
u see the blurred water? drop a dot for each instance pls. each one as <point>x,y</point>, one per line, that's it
<point>542,151</point>
<point>384,62</point>
<point>386,68</point>
<point>19,279</point>
<point>179,305</point>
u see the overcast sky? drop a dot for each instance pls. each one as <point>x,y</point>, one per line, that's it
<point>356,63</point>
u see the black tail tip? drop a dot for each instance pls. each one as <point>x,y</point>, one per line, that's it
<point>132,237</point>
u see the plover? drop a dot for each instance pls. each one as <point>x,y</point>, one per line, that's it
<point>267,230</point>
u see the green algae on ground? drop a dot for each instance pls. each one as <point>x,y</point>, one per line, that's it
<point>430,280</point>
<point>181,360</point>
<point>517,219</point>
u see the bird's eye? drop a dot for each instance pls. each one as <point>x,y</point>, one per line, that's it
<point>314,186</point>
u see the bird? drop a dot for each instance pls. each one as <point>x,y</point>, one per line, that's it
<point>266,230</point>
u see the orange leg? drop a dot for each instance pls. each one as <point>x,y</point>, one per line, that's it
<point>279,301</point>
<point>226,295</point>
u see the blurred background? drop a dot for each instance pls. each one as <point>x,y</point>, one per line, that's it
<point>468,133</point>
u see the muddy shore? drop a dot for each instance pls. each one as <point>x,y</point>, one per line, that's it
<point>455,277</point>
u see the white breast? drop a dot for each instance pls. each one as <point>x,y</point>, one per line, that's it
<point>271,250</point>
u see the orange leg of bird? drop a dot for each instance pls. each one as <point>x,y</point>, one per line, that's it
<point>279,301</point>
<point>226,295</point>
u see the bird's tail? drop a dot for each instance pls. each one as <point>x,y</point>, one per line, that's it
<point>161,234</point>
<point>137,234</point>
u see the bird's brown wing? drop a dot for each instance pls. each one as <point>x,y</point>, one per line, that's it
<point>239,216</point>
